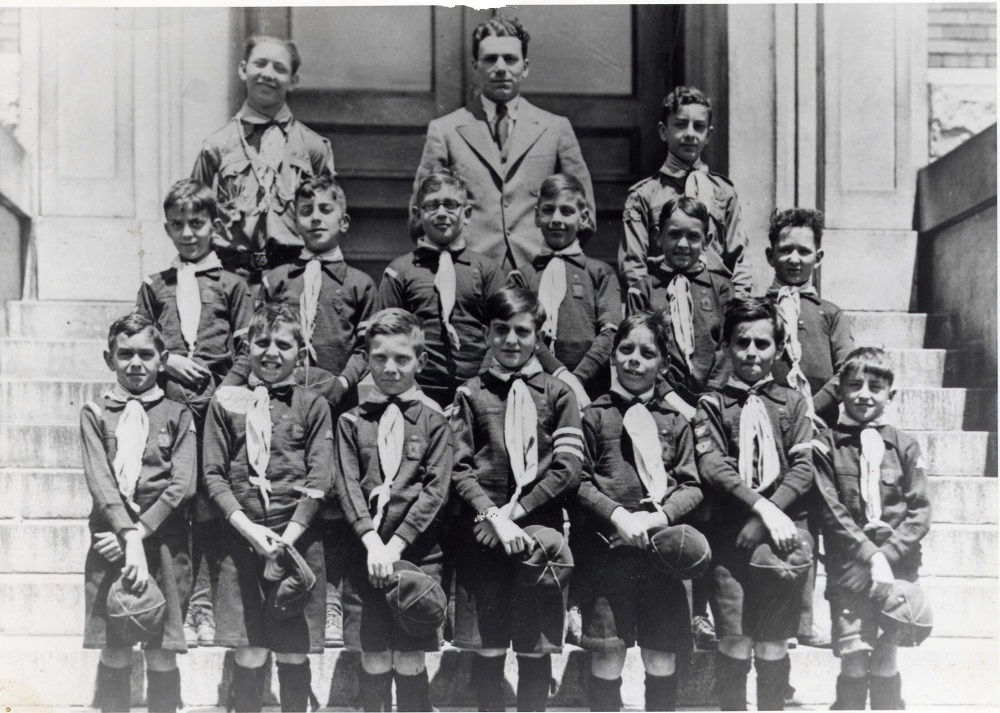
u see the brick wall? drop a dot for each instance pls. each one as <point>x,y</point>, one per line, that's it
<point>962,35</point>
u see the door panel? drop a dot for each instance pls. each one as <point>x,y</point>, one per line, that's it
<point>373,78</point>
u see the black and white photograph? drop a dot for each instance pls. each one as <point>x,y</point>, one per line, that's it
<point>557,357</point>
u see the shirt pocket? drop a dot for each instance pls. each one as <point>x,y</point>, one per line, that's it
<point>667,447</point>
<point>848,484</point>
<point>165,444</point>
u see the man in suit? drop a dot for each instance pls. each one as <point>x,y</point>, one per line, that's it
<point>504,147</point>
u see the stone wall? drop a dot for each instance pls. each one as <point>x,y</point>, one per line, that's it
<point>10,67</point>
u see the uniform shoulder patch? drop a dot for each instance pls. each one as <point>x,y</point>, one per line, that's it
<point>93,407</point>
<point>704,446</point>
<point>148,280</point>
<point>235,399</point>
<point>389,272</point>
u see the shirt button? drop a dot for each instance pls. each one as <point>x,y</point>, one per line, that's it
<point>285,417</point>
<point>339,292</point>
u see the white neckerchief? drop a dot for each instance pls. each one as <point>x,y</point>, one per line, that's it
<point>188,295</point>
<point>681,309</point>
<point>258,434</point>
<point>520,425</point>
<point>272,142</point>
<point>446,283</point>
<point>789,303</point>
<point>872,452</point>
<point>697,184</point>
<point>642,430</point>
<point>131,435</point>
<point>552,286</point>
<point>311,286</point>
<point>758,448</point>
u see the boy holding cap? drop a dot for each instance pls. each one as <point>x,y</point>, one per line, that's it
<point>392,478</point>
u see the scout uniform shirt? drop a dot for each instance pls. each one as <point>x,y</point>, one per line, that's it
<point>611,478</point>
<point>298,470</point>
<point>166,478</point>
<point>587,318</point>
<point>717,448</point>
<point>420,452</point>
<point>483,476</point>
<point>903,506</point>
<point>226,310</point>
<point>726,243</point>
<point>409,283</point>
<point>710,293</point>
<point>256,192</point>
<point>346,297</point>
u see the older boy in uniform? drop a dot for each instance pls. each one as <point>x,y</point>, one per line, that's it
<point>504,147</point>
<point>686,128</point>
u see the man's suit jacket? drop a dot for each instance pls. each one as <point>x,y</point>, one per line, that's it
<point>504,192</point>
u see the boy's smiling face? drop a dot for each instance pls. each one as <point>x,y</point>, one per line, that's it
<point>268,75</point>
<point>865,396</point>
<point>512,341</point>
<point>444,213</point>
<point>321,221</point>
<point>752,350</point>
<point>682,241</point>
<point>274,353</point>
<point>394,362</point>
<point>794,256</point>
<point>687,132</point>
<point>190,231</point>
<point>136,361</point>
<point>559,218</point>
<point>637,361</point>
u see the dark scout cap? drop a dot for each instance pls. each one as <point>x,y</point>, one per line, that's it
<point>416,599</point>
<point>906,618</point>
<point>549,564</point>
<point>136,618</point>
<point>680,551</point>
<point>790,566</point>
<point>287,598</point>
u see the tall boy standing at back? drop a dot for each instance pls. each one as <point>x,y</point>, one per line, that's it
<point>504,147</point>
<point>686,128</point>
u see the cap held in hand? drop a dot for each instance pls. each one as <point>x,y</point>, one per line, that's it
<point>416,600</point>
<point>549,564</point>
<point>906,618</point>
<point>136,618</point>
<point>287,597</point>
<point>790,566</point>
<point>680,551</point>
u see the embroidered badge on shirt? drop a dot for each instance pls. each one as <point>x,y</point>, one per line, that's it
<point>703,446</point>
<point>414,448</point>
<point>578,290</point>
<point>298,431</point>
<point>164,440</point>
<point>706,304</point>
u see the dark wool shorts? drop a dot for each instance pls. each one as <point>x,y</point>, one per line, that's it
<point>168,558</point>
<point>763,613</point>
<point>240,617</point>
<point>624,602</point>
<point>854,617</point>
<point>493,612</point>
<point>368,621</point>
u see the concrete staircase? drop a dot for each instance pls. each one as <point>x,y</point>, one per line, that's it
<point>51,363</point>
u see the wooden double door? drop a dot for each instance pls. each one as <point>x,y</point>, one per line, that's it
<point>374,77</point>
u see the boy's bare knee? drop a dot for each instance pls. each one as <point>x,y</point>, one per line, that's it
<point>294,659</point>
<point>736,647</point>
<point>159,660</point>
<point>408,663</point>
<point>854,665</point>
<point>607,664</point>
<point>376,662</point>
<point>658,663</point>
<point>251,656</point>
<point>116,658</point>
<point>770,650</point>
<point>883,661</point>
<point>491,653</point>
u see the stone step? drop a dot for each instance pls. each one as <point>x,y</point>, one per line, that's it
<point>940,672</point>
<point>888,330</point>
<point>916,368</point>
<point>932,409</point>
<point>53,319</point>
<point>26,493</point>
<point>958,499</point>
<point>49,400</point>
<point>53,358</point>
<point>59,546</point>
<point>963,606</point>
<point>958,452</point>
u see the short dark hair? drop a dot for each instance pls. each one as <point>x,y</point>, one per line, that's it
<point>796,218</point>
<point>293,51</point>
<point>189,194</point>
<point>751,309</point>
<point>271,315</point>
<point>309,187</point>
<point>392,321</point>
<point>512,301</point>
<point>682,96</point>
<point>567,183</point>
<point>868,360</point>
<point>688,206</point>
<point>132,324</point>
<point>654,321</point>
<point>437,179</point>
<point>500,26</point>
